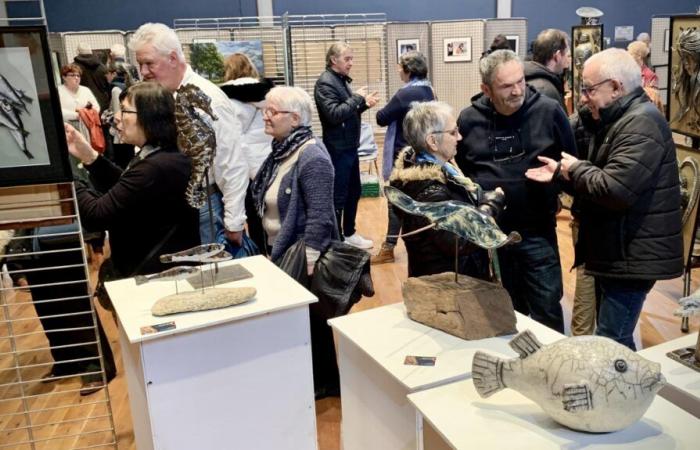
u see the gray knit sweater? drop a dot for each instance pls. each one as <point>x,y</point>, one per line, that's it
<point>305,202</point>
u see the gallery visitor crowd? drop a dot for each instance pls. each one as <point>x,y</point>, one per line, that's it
<point>509,154</point>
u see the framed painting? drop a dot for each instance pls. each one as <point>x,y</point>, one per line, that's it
<point>683,72</point>
<point>405,46</point>
<point>33,146</point>
<point>457,49</point>
<point>586,41</point>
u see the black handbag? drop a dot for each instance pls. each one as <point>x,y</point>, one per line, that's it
<point>293,263</point>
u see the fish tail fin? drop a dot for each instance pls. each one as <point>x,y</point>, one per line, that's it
<point>140,279</point>
<point>525,343</point>
<point>487,373</point>
<point>28,154</point>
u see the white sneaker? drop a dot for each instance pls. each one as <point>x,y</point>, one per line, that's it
<point>358,241</point>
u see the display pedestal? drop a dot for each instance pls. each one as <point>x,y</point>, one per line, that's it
<point>683,388</point>
<point>237,377</point>
<point>454,416</point>
<point>374,380</point>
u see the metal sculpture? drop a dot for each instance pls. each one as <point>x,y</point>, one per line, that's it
<point>12,104</point>
<point>196,139</point>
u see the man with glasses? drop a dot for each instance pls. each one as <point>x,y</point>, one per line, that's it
<point>507,127</point>
<point>627,192</point>
<point>160,58</point>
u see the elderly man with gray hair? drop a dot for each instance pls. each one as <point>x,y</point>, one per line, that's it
<point>627,192</point>
<point>505,129</point>
<point>340,109</point>
<point>160,58</point>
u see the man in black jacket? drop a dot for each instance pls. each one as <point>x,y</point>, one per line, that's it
<point>339,110</point>
<point>94,75</point>
<point>627,192</point>
<point>504,131</point>
<point>550,57</point>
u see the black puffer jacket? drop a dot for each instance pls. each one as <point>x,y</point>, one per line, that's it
<point>628,194</point>
<point>433,251</point>
<point>339,111</point>
<point>94,77</point>
<point>545,81</point>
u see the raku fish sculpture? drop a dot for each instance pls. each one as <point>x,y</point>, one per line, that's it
<point>459,218</point>
<point>12,105</point>
<point>174,274</point>
<point>690,305</point>
<point>195,138</point>
<point>587,383</point>
<point>200,253</point>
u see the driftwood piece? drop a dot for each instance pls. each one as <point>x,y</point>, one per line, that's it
<point>212,298</point>
<point>470,309</point>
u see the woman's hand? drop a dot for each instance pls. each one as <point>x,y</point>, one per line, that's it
<point>78,146</point>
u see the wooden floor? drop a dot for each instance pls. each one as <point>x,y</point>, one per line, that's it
<point>657,325</point>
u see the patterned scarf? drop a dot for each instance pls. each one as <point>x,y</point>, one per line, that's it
<point>268,171</point>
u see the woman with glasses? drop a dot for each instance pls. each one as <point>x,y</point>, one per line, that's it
<point>142,207</point>
<point>426,172</point>
<point>293,196</point>
<point>73,96</point>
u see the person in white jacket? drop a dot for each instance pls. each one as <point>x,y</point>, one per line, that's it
<point>72,95</point>
<point>247,92</point>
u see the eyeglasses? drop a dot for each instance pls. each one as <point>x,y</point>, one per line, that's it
<point>453,132</point>
<point>507,145</point>
<point>270,112</point>
<point>588,90</point>
<point>75,75</point>
<point>127,111</point>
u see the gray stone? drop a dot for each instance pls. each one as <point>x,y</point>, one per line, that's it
<point>212,298</point>
<point>470,309</point>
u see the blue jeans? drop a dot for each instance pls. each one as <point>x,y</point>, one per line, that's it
<point>347,188</point>
<point>620,306</point>
<point>531,273</point>
<point>217,207</point>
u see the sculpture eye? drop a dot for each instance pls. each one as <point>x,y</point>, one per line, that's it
<point>620,365</point>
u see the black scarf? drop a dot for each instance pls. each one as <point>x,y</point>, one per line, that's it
<point>268,171</point>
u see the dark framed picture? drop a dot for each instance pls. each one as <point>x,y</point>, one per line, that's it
<point>33,146</point>
<point>513,42</point>
<point>586,41</point>
<point>405,46</point>
<point>683,71</point>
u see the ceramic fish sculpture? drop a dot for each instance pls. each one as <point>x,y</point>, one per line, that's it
<point>587,383</point>
<point>459,218</point>
<point>690,305</point>
<point>195,138</point>
<point>199,253</point>
<point>174,274</point>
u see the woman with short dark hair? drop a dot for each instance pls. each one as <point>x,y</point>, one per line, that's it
<point>142,207</point>
<point>413,70</point>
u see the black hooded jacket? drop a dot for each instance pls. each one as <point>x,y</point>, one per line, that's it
<point>627,193</point>
<point>496,150</point>
<point>545,81</point>
<point>94,78</point>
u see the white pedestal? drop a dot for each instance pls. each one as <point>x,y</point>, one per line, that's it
<point>454,416</point>
<point>237,377</point>
<point>374,381</point>
<point>683,388</point>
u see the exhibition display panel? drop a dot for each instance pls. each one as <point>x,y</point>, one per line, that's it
<point>216,377</point>
<point>455,416</point>
<point>372,348</point>
<point>683,388</point>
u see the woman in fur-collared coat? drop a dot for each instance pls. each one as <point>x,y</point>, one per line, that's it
<point>424,171</point>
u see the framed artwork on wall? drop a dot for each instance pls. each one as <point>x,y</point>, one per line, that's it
<point>514,42</point>
<point>406,45</point>
<point>683,73</point>
<point>33,146</point>
<point>457,49</point>
<point>587,40</point>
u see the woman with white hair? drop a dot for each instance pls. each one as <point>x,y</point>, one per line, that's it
<point>293,195</point>
<point>293,190</point>
<point>425,171</point>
